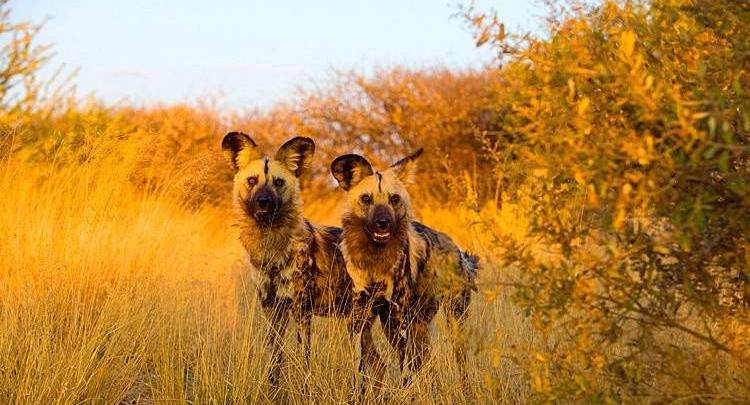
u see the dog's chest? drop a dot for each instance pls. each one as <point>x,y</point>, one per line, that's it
<point>283,277</point>
<point>382,278</point>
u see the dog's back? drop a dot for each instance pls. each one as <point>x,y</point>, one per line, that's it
<point>454,269</point>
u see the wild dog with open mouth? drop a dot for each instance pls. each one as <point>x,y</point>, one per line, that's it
<point>298,266</point>
<point>399,263</point>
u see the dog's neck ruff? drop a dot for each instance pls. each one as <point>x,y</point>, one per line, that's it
<point>271,248</point>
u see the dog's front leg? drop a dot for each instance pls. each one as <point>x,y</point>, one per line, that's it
<point>360,324</point>
<point>395,329</point>
<point>303,320</point>
<point>372,359</point>
<point>303,336</point>
<point>418,347</point>
<point>277,316</point>
<point>355,337</point>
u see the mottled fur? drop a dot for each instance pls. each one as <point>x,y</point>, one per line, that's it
<point>298,266</point>
<point>410,267</point>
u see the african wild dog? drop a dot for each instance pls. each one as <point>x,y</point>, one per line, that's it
<point>398,263</point>
<point>298,265</point>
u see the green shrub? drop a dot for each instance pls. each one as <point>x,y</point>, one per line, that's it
<point>626,134</point>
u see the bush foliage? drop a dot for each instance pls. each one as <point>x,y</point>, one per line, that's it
<point>626,135</point>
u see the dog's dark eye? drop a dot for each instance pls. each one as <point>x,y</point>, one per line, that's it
<point>278,182</point>
<point>365,198</point>
<point>251,181</point>
<point>395,199</point>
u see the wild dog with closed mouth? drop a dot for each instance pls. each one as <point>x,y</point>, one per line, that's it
<point>398,263</point>
<point>298,265</point>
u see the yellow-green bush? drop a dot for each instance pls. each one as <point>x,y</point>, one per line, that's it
<point>626,132</point>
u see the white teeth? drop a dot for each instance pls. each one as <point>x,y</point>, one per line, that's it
<point>382,235</point>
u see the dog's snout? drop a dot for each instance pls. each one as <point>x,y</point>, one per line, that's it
<point>382,219</point>
<point>380,224</point>
<point>264,206</point>
<point>263,201</point>
<point>383,224</point>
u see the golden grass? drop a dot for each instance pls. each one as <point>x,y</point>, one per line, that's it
<point>112,294</point>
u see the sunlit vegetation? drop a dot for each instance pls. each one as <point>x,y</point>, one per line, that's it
<point>601,170</point>
<point>625,138</point>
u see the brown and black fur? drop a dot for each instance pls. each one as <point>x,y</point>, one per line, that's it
<point>402,271</point>
<point>298,266</point>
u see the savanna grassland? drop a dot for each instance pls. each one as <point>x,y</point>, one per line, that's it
<point>601,171</point>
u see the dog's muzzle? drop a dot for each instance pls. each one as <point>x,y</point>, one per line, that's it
<point>264,206</point>
<point>381,225</point>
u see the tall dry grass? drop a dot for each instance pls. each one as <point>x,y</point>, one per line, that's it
<point>112,293</point>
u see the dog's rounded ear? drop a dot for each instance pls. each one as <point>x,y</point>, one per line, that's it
<point>350,169</point>
<point>407,167</point>
<point>239,150</point>
<point>296,154</point>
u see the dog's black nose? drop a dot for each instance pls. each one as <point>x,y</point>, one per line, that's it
<point>263,201</point>
<point>383,224</point>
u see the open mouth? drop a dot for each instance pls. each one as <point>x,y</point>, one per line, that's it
<point>381,236</point>
<point>263,216</point>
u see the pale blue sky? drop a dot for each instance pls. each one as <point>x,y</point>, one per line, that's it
<point>249,53</point>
